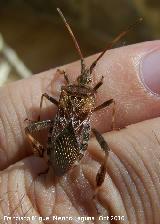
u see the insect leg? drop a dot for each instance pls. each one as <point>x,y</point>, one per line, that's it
<point>50,98</point>
<point>65,75</point>
<point>103,168</point>
<point>98,84</point>
<point>106,104</point>
<point>35,127</point>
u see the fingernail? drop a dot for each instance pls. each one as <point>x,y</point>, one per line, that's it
<point>150,71</point>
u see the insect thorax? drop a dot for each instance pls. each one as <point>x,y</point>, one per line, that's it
<point>71,131</point>
<point>78,100</point>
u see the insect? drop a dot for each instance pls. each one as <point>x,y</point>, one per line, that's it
<point>70,130</point>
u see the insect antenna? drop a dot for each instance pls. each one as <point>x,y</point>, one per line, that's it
<point>73,38</point>
<point>114,41</point>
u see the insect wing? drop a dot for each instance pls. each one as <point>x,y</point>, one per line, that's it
<point>65,150</point>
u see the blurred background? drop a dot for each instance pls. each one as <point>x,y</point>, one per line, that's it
<point>33,37</point>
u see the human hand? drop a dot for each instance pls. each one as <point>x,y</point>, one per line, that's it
<point>131,187</point>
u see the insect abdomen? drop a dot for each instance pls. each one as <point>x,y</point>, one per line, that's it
<point>65,151</point>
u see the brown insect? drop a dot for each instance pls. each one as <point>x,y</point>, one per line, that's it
<point>70,130</point>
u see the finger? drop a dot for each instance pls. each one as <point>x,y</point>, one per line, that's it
<point>130,190</point>
<point>121,69</point>
<point>133,172</point>
<point>132,79</point>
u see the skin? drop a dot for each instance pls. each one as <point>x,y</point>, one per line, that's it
<point>131,187</point>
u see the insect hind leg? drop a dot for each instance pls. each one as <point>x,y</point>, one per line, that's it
<point>103,168</point>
